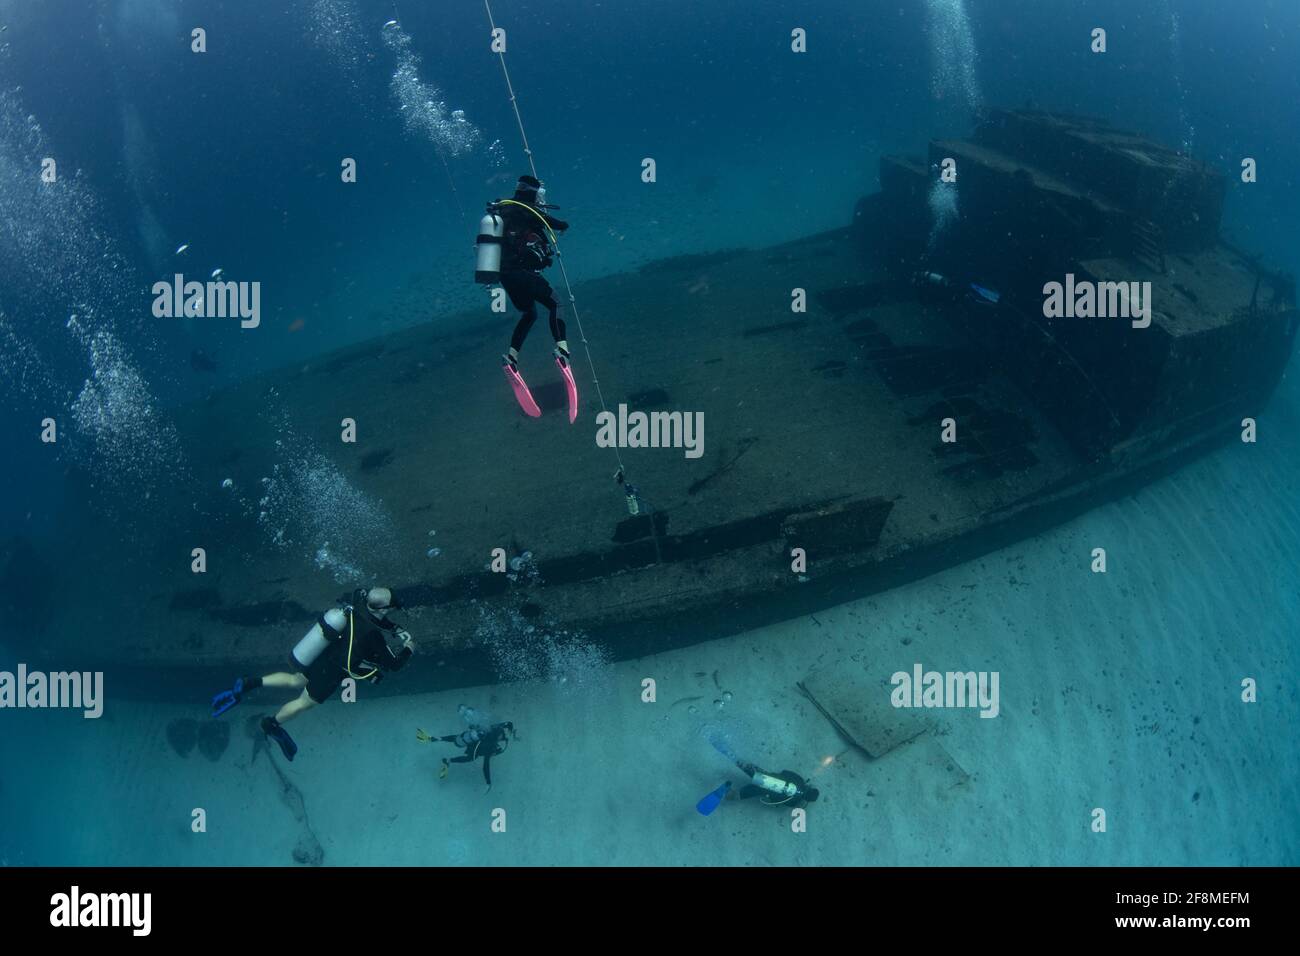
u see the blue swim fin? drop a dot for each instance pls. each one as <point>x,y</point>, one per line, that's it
<point>710,803</point>
<point>988,295</point>
<point>272,728</point>
<point>228,698</point>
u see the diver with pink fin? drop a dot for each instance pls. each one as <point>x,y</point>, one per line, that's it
<point>516,241</point>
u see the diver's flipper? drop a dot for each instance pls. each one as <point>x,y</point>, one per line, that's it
<point>710,802</point>
<point>570,386</point>
<point>522,395</point>
<point>271,727</point>
<point>228,698</point>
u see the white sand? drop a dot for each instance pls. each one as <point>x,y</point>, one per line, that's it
<point>1118,691</point>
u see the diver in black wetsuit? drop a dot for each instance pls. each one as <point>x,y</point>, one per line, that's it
<point>526,250</point>
<point>482,739</point>
<point>786,788</point>
<point>355,640</point>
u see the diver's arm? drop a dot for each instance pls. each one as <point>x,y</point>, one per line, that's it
<point>383,655</point>
<point>396,662</point>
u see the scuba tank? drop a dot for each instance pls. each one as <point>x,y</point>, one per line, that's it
<point>487,266</point>
<point>315,642</point>
<point>931,278</point>
<point>782,788</point>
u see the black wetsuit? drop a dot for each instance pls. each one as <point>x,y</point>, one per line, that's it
<point>370,654</point>
<point>525,251</point>
<point>480,743</point>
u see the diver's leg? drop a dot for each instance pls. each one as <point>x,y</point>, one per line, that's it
<point>522,328</point>
<point>284,679</point>
<point>295,707</point>
<point>558,331</point>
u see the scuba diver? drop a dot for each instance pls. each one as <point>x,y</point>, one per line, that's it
<point>516,242</point>
<point>776,789</point>
<point>786,788</point>
<point>969,290</point>
<point>483,738</point>
<point>355,640</point>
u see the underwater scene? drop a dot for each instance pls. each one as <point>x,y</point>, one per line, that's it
<point>573,433</point>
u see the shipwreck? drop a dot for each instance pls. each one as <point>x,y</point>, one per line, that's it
<point>825,427</point>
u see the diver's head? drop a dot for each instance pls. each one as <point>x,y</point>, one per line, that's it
<point>530,189</point>
<point>811,794</point>
<point>379,601</point>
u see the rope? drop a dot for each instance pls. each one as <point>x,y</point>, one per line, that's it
<point>573,302</point>
<point>451,182</point>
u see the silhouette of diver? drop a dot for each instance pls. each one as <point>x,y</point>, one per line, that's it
<point>482,739</point>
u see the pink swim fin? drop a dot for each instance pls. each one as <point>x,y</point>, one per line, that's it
<point>524,397</point>
<point>570,385</point>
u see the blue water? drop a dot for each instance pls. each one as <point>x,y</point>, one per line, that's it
<point>236,153</point>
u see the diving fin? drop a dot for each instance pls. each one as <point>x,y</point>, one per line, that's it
<point>988,295</point>
<point>272,728</point>
<point>710,802</point>
<point>522,395</point>
<point>228,698</point>
<point>570,386</point>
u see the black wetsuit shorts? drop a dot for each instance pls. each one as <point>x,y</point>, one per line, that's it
<point>324,676</point>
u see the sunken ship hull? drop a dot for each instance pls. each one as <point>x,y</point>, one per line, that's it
<point>822,428</point>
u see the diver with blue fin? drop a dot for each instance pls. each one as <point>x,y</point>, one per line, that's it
<point>482,738</point>
<point>516,241</point>
<point>973,292</point>
<point>786,788</point>
<point>355,639</point>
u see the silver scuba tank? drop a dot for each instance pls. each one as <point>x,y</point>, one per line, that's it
<point>487,266</point>
<point>314,643</point>
<point>782,788</point>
